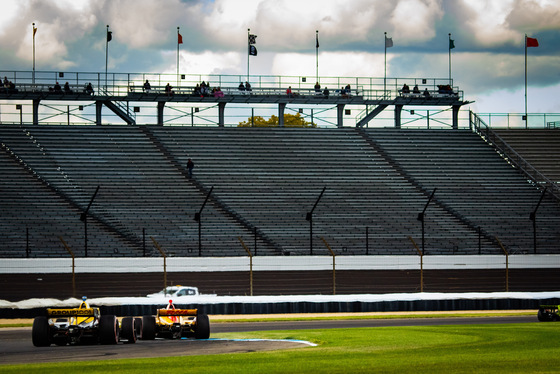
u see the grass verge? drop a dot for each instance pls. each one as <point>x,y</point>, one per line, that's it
<point>504,348</point>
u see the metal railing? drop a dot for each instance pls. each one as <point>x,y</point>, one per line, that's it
<point>511,155</point>
<point>517,121</point>
<point>121,83</point>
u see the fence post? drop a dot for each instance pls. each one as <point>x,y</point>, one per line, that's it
<point>164,261</point>
<point>27,242</point>
<point>507,262</point>
<point>367,240</point>
<point>73,265</point>
<point>333,266</point>
<point>421,263</point>
<point>250,264</point>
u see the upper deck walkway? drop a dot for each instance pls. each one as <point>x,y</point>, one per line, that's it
<point>118,88</point>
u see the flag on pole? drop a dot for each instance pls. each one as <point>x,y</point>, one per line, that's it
<point>532,42</point>
<point>317,40</point>
<point>252,48</point>
<point>451,43</point>
<point>388,42</point>
<point>252,39</point>
<point>179,39</point>
<point>109,36</point>
<point>34,31</point>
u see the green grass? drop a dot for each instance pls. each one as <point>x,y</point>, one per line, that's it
<point>507,348</point>
<point>388,315</point>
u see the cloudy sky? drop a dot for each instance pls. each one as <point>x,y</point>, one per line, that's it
<point>487,63</point>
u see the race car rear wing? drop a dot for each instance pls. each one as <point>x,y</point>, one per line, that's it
<point>177,312</point>
<point>87,312</point>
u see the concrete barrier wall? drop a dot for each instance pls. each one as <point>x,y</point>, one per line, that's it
<point>281,263</point>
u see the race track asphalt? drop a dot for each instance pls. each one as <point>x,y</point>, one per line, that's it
<point>16,346</point>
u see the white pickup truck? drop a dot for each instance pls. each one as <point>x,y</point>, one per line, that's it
<point>178,291</point>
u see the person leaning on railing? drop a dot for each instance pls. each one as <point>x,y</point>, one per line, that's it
<point>317,88</point>
<point>218,92</point>
<point>89,89</point>
<point>147,87</point>
<point>289,92</point>
<point>67,89</point>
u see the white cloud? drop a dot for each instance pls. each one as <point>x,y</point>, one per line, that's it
<point>201,63</point>
<point>144,23</point>
<point>488,21</point>
<point>333,64</point>
<point>413,20</point>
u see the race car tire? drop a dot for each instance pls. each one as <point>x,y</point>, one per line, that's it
<point>148,327</point>
<point>40,333</point>
<point>202,327</point>
<point>138,327</point>
<point>128,331</point>
<point>544,316</point>
<point>108,330</point>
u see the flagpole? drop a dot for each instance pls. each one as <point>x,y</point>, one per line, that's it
<point>449,45</point>
<point>178,56</point>
<point>526,118</point>
<point>317,54</point>
<point>33,53</point>
<point>248,52</point>
<point>385,64</point>
<point>106,54</point>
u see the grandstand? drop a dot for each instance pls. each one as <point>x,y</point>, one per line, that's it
<point>263,181</point>
<point>540,147</point>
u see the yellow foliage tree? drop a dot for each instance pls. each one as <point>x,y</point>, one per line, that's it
<point>290,120</point>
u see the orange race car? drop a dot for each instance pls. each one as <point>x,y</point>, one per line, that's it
<point>172,323</point>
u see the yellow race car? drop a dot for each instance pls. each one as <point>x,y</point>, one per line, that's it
<point>172,323</point>
<point>82,325</point>
<point>549,313</point>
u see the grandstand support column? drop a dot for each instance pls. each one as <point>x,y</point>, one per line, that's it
<point>160,106</point>
<point>36,111</point>
<point>221,111</point>
<point>398,110</point>
<point>456,116</point>
<point>339,115</point>
<point>98,107</point>
<point>281,108</point>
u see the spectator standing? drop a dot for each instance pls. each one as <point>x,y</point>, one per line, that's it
<point>326,92</point>
<point>168,90</point>
<point>190,167</point>
<point>147,86</point>
<point>317,88</point>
